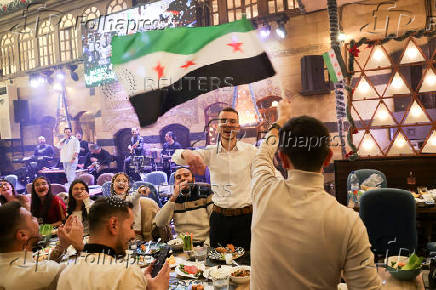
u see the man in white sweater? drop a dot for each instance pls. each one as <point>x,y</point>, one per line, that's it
<point>190,206</point>
<point>302,238</point>
<point>70,148</point>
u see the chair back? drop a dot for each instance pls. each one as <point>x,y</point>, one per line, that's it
<point>171,180</point>
<point>156,177</point>
<point>363,174</point>
<point>12,178</point>
<point>88,178</point>
<point>154,195</point>
<point>58,188</point>
<point>389,215</point>
<point>104,177</point>
<point>106,188</point>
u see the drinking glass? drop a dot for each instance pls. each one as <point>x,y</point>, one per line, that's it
<point>221,284</point>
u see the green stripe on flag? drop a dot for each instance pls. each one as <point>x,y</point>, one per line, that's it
<point>183,40</point>
<point>330,67</point>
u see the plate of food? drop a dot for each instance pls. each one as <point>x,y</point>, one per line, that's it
<point>189,270</point>
<point>240,274</point>
<point>43,254</point>
<point>176,244</point>
<point>219,253</point>
<point>218,272</point>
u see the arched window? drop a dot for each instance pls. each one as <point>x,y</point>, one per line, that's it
<point>7,54</point>
<point>275,6</point>
<point>68,37</point>
<point>27,50</point>
<point>90,14</point>
<point>215,12</point>
<point>46,43</point>
<point>115,6</point>
<point>235,9</point>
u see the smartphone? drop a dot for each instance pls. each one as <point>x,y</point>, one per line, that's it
<point>161,257</point>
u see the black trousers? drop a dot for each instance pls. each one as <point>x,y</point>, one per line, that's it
<point>235,230</point>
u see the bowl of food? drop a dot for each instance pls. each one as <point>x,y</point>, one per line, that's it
<point>176,244</point>
<point>241,274</point>
<point>404,268</point>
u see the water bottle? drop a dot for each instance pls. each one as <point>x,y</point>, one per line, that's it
<point>354,182</point>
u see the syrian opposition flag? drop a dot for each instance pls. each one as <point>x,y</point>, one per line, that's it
<point>333,66</point>
<point>161,69</point>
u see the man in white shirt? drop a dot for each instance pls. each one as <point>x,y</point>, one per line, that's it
<point>229,164</point>
<point>19,231</point>
<point>302,238</point>
<point>102,264</point>
<point>70,149</point>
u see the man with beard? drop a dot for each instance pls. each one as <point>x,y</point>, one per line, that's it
<point>111,224</point>
<point>44,151</point>
<point>190,206</point>
<point>19,231</point>
<point>230,164</point>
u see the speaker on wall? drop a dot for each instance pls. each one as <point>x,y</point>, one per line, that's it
<point>21,111</point>
<point>312,76</point>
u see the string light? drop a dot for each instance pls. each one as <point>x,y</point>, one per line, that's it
<point>397,82</point>
<point>412,52</point>
<point>432,139</point>
<point>378,54</point>
<point>368,143</point>
<point>382,114</point>
<point>416,110</point>
<point>400,142</point>
<point>342,36</point>
<point>430,79</point>
<point>364,87</point>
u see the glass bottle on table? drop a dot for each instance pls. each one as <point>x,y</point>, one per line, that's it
<point>411,181</point>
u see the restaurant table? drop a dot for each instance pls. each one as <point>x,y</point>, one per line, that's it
<point>176,282</point>
<point>208,284</point>
<point>391,283</point>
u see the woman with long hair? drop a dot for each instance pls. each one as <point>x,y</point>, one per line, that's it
<point>79,203</point>
<point>46,207</point>
<point>8,193</point>
<point>144,209</point>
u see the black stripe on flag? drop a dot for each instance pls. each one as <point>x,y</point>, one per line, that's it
<point>151,105</point>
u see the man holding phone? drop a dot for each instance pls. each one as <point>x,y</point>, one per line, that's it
<point>103,265</point>
<point>190,206</point>
<point>70,148</point>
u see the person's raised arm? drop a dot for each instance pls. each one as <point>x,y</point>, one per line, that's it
<point>263,170</point>
<point>197,160</point>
